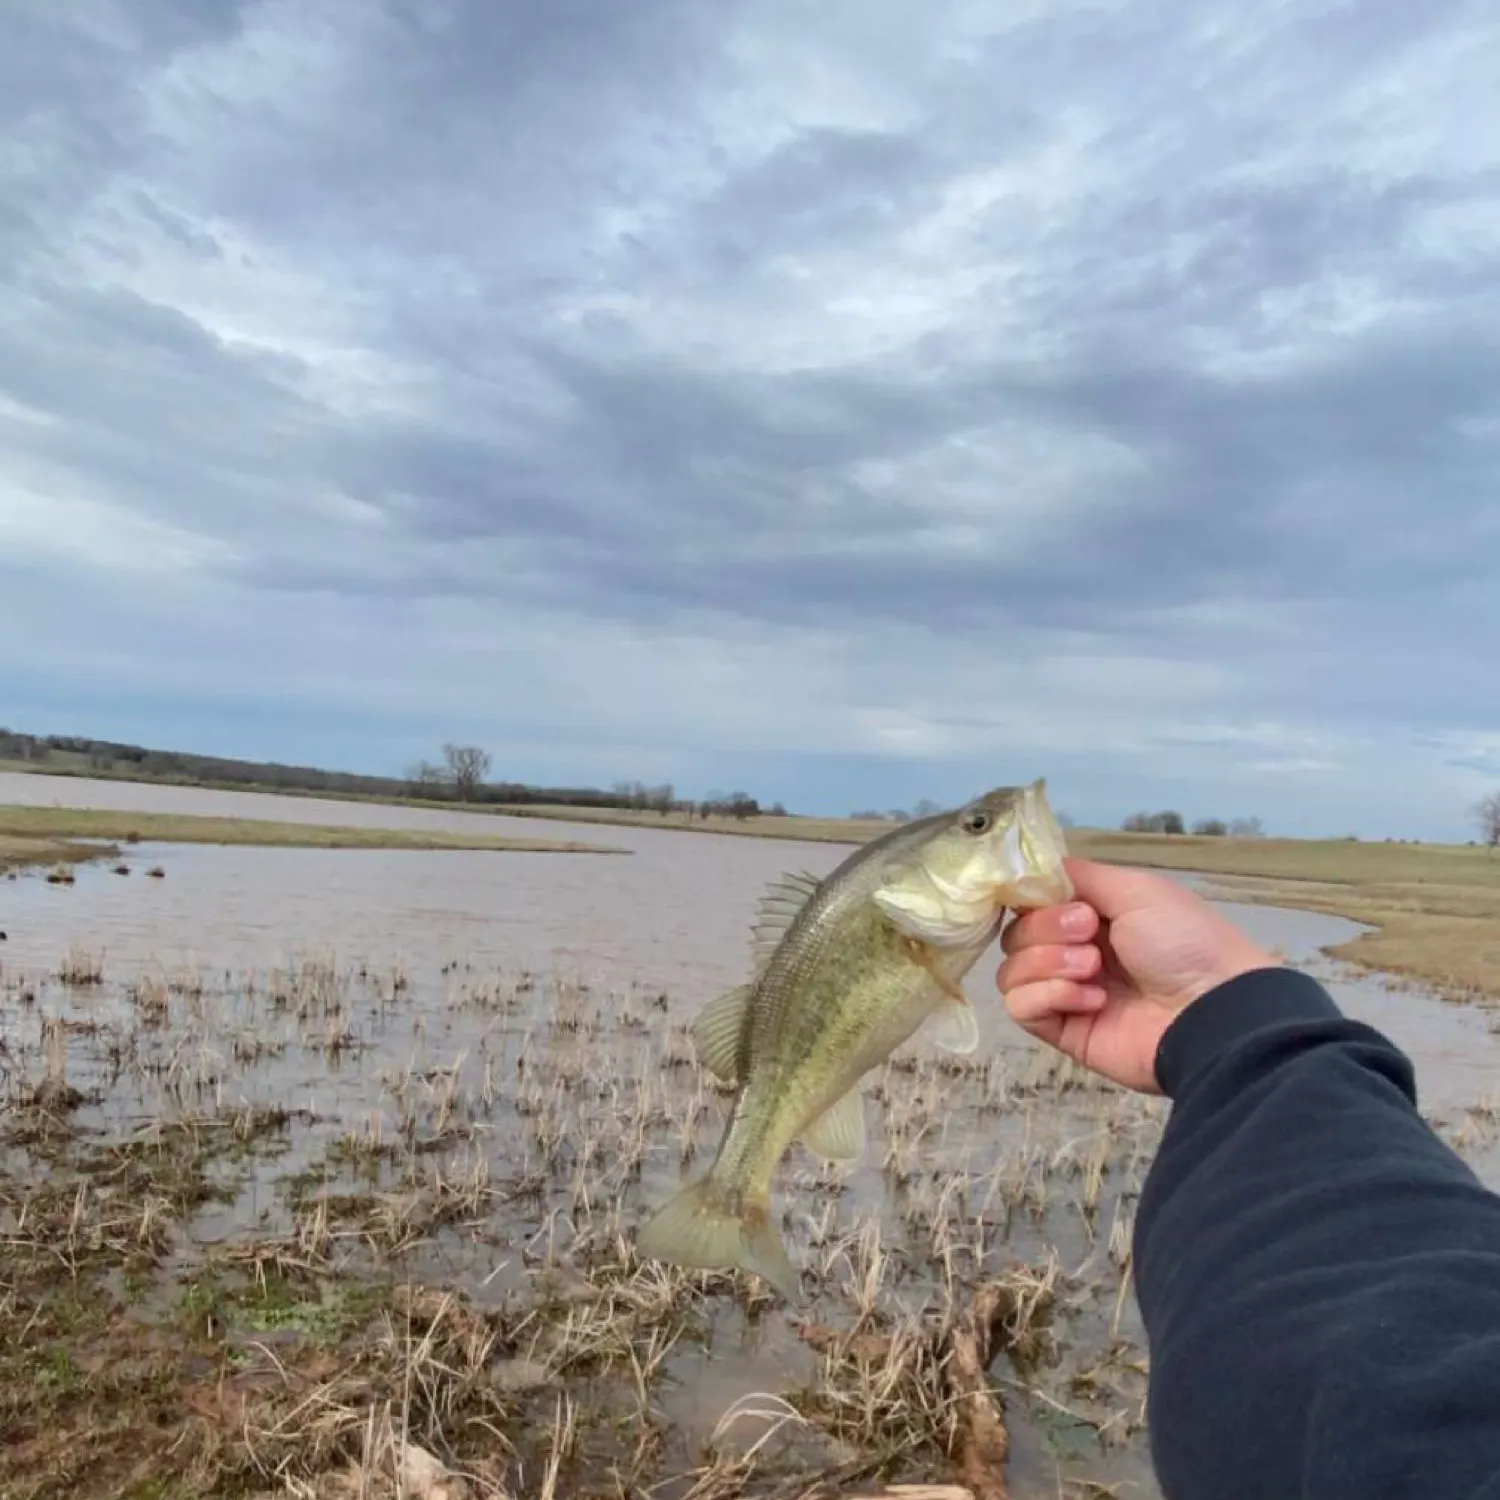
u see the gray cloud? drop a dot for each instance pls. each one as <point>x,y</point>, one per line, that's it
<point>1127,369</point>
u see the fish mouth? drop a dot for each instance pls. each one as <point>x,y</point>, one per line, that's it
<point>1034,852</point>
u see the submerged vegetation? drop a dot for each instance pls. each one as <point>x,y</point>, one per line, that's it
<point>324,1227</point>
<point>308,1230</point>
<point>329,1229</point>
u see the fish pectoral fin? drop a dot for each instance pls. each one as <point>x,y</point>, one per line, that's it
<point>954,1027</point>
<point>716,1031</point>
<point>777,909</point>
<point>838,1134</point>
<point>924,955</point>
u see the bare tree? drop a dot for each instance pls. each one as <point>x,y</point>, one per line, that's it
<point>1246,828</point>
<point>467,767</point>
<point>1487,815</point>
<point>423,777</point>
<point>742,805</point>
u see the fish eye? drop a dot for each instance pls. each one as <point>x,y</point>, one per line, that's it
<point>977,821</point>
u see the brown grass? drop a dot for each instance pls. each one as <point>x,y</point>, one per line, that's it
<point>26,829</point>
<point>18,850</point>
<point>1435,908</point>
<point>811,830</point>
<point>345,1335</point>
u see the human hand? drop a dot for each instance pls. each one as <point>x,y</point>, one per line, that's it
<point>1101,977</point>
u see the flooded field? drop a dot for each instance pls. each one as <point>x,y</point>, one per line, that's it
<point>311,1156</point>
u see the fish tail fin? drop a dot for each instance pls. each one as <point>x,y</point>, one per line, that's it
<point>705,1226</point>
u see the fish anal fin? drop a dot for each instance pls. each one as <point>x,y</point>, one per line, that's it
<point>838,1134</point>
<point>716,1031</point>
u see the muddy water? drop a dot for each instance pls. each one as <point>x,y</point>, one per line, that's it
<point>675,914</point>
<point>551,987</point>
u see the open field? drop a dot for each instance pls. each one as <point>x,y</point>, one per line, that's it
<point>792,826</point>
<point>39,825</point>
<point>1435,907</point>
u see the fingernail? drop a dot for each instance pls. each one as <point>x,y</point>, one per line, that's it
<point>1077,960</point>
<point>1075,921</point>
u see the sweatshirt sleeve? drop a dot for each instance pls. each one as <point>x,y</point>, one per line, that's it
<point>1319,1274</point>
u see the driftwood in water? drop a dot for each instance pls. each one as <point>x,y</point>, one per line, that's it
<point>1004,1314</point>
<point>982,1442</point>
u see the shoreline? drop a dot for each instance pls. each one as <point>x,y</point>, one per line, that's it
<point>1433,909</point>
<point>19,853</point>
<point>32,835</point>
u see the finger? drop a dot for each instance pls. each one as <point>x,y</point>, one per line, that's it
<point>1072,922</point>
<point>1035,1006</point>
<point>1050,961</point>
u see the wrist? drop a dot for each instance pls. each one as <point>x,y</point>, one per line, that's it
<point>1248,958</point>
<point>1253,998</point>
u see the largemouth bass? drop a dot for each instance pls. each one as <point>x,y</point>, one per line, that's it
<point>846,969</point>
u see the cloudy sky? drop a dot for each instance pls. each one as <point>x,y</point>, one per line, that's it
<point>854,401</point>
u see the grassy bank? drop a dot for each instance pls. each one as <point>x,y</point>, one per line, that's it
<point>17,851</point>
<point>790,826</point>
<point>1435,908</point>
<point>58,826</point>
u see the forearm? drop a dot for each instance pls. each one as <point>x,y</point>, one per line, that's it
<point>1318,1273</point>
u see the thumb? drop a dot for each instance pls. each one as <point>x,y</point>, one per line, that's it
<point>1113,890</point>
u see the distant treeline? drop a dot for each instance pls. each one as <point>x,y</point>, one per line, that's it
<point>460,776</point>
<point>1173,822</point>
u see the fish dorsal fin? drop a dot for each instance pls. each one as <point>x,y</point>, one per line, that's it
<point>838,1134</point>
<point>954,1027</point>
<point>716,1031</point>
<point>777,909</point>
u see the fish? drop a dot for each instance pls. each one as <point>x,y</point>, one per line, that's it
<point>845,969</point>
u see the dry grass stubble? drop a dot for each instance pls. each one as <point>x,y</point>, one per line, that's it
<point>307,1230</point>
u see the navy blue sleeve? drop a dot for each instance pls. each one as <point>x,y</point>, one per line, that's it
<point>1319,1274</point>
